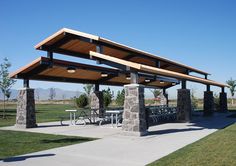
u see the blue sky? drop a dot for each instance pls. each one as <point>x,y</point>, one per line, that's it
<point>198,33</point>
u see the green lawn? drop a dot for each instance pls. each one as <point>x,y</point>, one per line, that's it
<point>14,143</point>
<point>44,113</point>
<point>217,149</point>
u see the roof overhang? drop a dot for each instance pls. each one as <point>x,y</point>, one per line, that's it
<point>42,69</point>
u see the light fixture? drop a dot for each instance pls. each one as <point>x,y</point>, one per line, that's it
<point>162,82</point>
<point>128,77</point>
<point>71,69</point>
<point>104,74</point>
<point>147,80</point>
<point>173,83</point>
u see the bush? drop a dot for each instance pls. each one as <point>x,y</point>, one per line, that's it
<point>106,100</point>
<point>82,101</point>
<point>120,98</point>
<point>107,97</point>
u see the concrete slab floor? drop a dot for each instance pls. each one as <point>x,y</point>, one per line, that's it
<point>117,149</point>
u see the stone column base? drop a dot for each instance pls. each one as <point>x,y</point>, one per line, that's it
<point>184,107</point>
<point>223,102</point>
<point>208,103</point>
<point>20,126</point>
<point>132,133</point>
<point>134,120</point>
<point>25,117</point>
<point>97,102</point>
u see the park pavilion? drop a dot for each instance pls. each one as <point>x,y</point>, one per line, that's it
<point>117,65</point>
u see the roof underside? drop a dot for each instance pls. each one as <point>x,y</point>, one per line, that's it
<point>40,69</point>
<point>78,44</point>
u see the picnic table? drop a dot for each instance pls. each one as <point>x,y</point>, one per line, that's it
<point>72,116</point>
<point>83,115</point>
<point>92,116</point>
<point>114,113</point>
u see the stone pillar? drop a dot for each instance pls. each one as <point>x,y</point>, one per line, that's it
<point>25,117</point>
<point>208,103</point>
<point>164,99</point>
<point>184,107</point>
<point>223,102</point>
<point>97,102</point>
<point>134,120</point>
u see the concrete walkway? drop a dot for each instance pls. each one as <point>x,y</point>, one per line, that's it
<point>117,149</point>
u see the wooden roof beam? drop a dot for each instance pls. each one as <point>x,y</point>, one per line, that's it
<point>155,70</point>
<point>112,64</point>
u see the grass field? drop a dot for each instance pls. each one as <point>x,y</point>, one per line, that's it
<point>14,143</point>
<point>217,149</point>
<point>44,113</point>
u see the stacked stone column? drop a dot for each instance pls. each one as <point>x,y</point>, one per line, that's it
<point>184,107</point>
<point>96,102</point>
<point>134,120</point>
<point>208,103</point>
<point>223,102</point>
<point>25,117</point>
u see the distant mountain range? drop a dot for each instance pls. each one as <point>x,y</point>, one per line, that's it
<point>43,94</point>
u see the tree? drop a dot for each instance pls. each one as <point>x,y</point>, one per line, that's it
<point>82,101</point>
<point>107,97</point>
<point>120,98</point>
<point>194,101</point>
<point>8,94</point>
<point>52,93</point>
<point>88,88</point>
<point>232,86</point>
<point>156,93</point>
<point>5,82</point>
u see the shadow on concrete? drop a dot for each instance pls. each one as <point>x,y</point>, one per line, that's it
<point>22,158</point>
<point>233,115</point>
<point>67,140</point>
<point>216,121</point>
<point>168,131</point>
<point>200,122</point>
<point>51,125</point>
